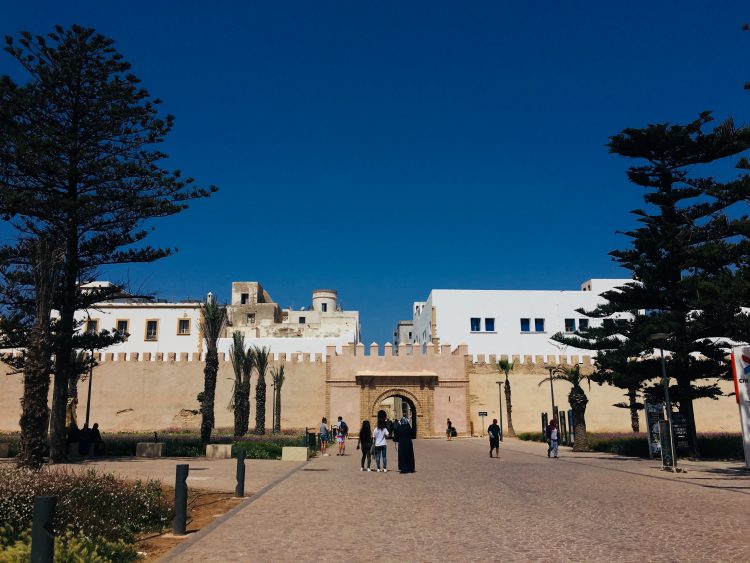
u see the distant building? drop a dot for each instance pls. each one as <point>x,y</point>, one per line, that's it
<point>403,333</point>
<point>507,321</point>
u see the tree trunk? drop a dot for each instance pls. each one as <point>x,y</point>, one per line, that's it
<point>578,400</point>
<point>260,405</point>
<point>635,423</point>
<point>209,395</point>
<point>686,408</point>
<point>34,409</point>
<point>239,415</point>
<point>245,406</point>
<point>277,408</point>
<point>509,409</point>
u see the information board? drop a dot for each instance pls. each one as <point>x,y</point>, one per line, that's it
<point>654,415</point>
<point>680,430</point>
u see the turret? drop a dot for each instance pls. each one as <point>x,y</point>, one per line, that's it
<point>325,300</point>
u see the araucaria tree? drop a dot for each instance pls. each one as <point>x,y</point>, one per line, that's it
<point>577,400</point>
<point>262,359</point>
<point>506,367</point>
<point>213,321</point>
<point>78,159</point>
<point>277,375</point>
<point>690,254</point>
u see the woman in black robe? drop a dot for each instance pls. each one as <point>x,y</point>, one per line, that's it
<point>405,447</point>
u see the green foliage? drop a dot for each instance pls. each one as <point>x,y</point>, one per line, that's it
<point>258,450</point>
<point>69,548</point>
<point>262,360</point>
<point>97,505</point>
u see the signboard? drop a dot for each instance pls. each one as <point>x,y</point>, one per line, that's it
<point>741,374</point>
<point>654,414</point>
<point>680,431</point>
<point>482,413</point>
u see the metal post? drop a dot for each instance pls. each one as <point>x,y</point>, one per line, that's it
<point>500,409</point>
<point>668,405</point>
<point>179,524</point>
<point>42,536</point>
<point>552,389</point>
<point>239,491</point>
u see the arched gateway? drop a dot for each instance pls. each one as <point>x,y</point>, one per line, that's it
<point>429,384</point>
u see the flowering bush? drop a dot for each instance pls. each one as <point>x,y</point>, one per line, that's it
<point>91,504</point>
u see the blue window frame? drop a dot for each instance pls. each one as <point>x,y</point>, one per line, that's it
<point>475,324</point>
<point>539,325</point>
<point>570,325</point>
<point>583,324</point>
<point>489,324</point>
<point>525,325</point>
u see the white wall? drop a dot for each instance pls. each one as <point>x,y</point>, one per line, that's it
<point>290,346</point>
<point>455,308</point>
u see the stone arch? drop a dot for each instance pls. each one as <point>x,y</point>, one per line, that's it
<point>419,396</point>
<point>392,392</point>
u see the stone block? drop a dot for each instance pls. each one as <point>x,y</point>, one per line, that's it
<point>149,449</point>
<point>219,451</point>
<point>4,448</point>
<point>296,453</point>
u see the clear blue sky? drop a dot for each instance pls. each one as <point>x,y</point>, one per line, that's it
<point>386,148</point>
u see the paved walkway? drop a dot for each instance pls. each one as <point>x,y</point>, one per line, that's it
<point>461,505</point>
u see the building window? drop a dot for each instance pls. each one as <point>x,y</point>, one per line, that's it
<point>475,324</point>
<point>244,298</point>
<point>92,326</point>
<point>410,335</point>
<point>251,318</point>
<point>525,325</point>
<point>583,324</point>
<point>539,325</point>
<point>183,327</point>
<point>123,327</point>
<point>489,325</point>
<point>570,325</point>
<point>152,329</point>
<point>302,320</point>
<point>324,307</point>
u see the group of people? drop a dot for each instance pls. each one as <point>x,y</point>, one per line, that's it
<point>373,443</point>
<point>89,440</point>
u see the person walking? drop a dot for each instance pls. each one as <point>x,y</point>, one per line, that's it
<point>493,430</point>
<point>552,438</point>
<point>449,430</point>
<point>365,442</point>
<point>342,430</point>
<point>324,437</point>
<point>403,437</point>
<point>379,436</point>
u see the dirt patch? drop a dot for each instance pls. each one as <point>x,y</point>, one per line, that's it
<point>203,508</point>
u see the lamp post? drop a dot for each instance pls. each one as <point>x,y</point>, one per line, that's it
<point>500,407</point>
<point>88,396</point>
<point>552,369</point>
<point>661,338</point>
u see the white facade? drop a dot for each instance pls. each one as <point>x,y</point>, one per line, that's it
<point>508,321</point>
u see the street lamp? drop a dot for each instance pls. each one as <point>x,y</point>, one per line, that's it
<point>661,338</point>
<point>500,409</point>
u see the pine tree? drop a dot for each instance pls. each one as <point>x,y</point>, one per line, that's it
<point>78,159</point>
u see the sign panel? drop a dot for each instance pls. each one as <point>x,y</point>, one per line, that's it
<point>482,413</point>
<point>654,415</point>
<point>680,431</point>
<point>741,374</point>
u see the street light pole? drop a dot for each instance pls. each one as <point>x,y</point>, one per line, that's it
<point>88,397</point>
<point>500,408</point>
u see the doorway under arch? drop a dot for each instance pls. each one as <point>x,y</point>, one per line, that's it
<point>395,406</point>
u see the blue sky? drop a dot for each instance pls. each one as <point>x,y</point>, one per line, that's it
<point>387,148</point>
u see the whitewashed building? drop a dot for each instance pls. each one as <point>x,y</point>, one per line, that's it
<point>508,321</point>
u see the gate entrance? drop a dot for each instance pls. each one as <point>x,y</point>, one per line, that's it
<point>395,407</point>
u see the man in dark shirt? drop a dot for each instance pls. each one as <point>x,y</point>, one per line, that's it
<point>494,433</point>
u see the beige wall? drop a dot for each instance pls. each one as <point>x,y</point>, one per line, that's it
<point>530,400</point>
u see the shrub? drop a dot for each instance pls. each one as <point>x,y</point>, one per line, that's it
<point>69,548</point>
<point>95,505</point>
<point>255,450</point>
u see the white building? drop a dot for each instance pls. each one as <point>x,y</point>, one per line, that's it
<point>174,327</point>
<point>508,321</point>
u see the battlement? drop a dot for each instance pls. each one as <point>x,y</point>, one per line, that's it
<point>533,360</point>
<point>400,351</point>
<point>171,357</point>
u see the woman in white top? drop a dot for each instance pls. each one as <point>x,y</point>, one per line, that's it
<point>378,437</point>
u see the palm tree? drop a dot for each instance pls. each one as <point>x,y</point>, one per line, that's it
<point>577,399</point>
<point>506,367</point>
<point>213,320</point>
<point>237,355</point>
<point>277,375</point>
<point>247,369</point>
<point>262,358</point>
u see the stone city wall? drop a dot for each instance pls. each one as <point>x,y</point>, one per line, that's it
<point>529,399</point>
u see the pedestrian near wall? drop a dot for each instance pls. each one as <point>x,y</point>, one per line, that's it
<point>552,438</point>
<point>365,442</point>
<point>405,447</point>
<point>494,433</point>
<point>449,430</point>
<point>381,450</point>
<point>324,436</point>
<point>342,430</point>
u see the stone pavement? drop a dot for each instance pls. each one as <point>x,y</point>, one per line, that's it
<point>210,474</point>
<point>461,505</point>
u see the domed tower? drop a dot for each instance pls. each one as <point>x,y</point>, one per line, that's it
<point>325,300</point>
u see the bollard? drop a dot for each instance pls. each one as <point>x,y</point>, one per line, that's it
<point>179,524</point>
<point>42,536</point>
<point>239,490</point>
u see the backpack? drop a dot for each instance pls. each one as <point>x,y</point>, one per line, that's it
<point>344,428</point>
